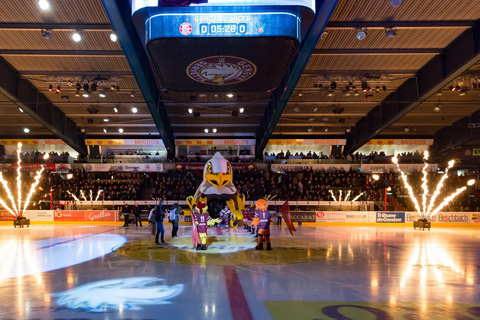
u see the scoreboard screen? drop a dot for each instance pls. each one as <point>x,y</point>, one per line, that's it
<point>249,24</point>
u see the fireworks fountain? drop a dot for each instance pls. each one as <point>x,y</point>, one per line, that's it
<point>340,192</point>
<point>426,212</point>
<point>15,208</point>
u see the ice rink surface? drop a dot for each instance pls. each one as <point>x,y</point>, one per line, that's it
<point>323,272</point>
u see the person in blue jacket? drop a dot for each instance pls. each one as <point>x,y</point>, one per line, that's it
<point>159,216</point>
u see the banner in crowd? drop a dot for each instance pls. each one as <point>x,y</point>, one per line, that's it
<point>307,142</point>
<point>55,167</point>
<point>31,142</point>
<point>400,142</point>
<point>313,167</point>
<point>200,166</point>
<point>86,215</point>
<point>124,142</point>
<point>123,167</point>
<point>388,167</point>
<point>193,142</point>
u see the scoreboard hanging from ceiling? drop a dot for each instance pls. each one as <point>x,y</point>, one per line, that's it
<point>222,45</point>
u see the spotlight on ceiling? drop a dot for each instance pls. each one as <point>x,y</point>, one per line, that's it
<point>77,36</point>
<point>205,130</point>
<point>132,95</point>
<point>356,94</point>
<point>46,34</point>
<point>406,129</point>
<point>106,119</point>
<point>362,34</point>
<point>395,3</point>
<point>439,93</point>
<point>82,130</point>
<point>44,4</point>
<point>333,85</point>
<point>20,109</point>
<point>348,130</point>
<point>315,109</point>
<point>214,130</point>
<point>230,95</point>
<point>190,110</point>
<point>134,110</point>
<point>310,129</point>
<point>463,93</point>
<point>50,88</point>
<point>115,110</point>
<point>113,37</point>
<point>85,95</point>
<point>241,110</point>
<point>120,130</point>
<point>26,130</point>
<point>330,94</point>
<point>102,95</point>
<point>325,129</point>
<point>390,32</point>
<point>437,108</point>
<point>105,130</point>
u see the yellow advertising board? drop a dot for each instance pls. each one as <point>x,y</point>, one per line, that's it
<point>104,142</point>
<point>14,142</point>
<point>285,142</point>
<point>476,152</point>
<point>193,142</point>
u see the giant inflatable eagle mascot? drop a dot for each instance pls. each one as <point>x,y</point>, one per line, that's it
<point>218,184</point>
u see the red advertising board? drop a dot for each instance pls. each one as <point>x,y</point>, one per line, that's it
<point>102,215</point>
<point>85,215</point>
<point>6,216</point>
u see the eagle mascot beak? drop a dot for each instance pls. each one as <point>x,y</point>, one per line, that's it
<point>218,179</point>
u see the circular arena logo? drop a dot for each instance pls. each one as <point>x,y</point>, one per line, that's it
<point>185,28</point>
<point>221,70</point>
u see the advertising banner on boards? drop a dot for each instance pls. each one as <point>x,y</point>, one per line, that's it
<point>123,167</point>
<point>388,167</point>
<point>303,216</point>
<point>390,217</point>
<point>312,167</point>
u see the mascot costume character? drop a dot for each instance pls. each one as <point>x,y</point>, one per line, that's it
<point>262,217</point>
<point>202,221</point>
<point>217,188</point>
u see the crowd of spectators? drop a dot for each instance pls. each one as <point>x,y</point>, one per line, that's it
<point>43,157</point>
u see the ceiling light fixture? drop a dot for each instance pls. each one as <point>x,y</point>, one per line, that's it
<point>406,129</point>
<point>113,37</point>
<point>134,110</point>
<point>325,129</point>
<point>85,95</point>
<point>115,109</point>
<point>120,130</point>
<point>106,120</point>
<point>44,4</point>
<point>241,110</point>
<point>77,36</point>
<point>330,94</point>
<point>361,34</point>
<point>214,130</point>
<point>348,130</point>
<point>205,130</point>
<point>132,95</point>
<point>104,130</point>
<point>230,95</point>
<point>26,130</point>
<point>102,95</point>
<point>190,110</point>
<point>21,110</point>
<point>310,129</point>
<point>437,108</point>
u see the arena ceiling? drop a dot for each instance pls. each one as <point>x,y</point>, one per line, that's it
<point>395,62</point>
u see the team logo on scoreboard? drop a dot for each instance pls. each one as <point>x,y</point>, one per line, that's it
<point>185,28</point>
<point>221,70</point>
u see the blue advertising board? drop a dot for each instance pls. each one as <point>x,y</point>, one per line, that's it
<point>390,217</point>
<point>232,24</point>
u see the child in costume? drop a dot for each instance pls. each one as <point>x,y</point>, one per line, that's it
<point>202,221</point>
<point>225,215</point>
<point>263,216</point>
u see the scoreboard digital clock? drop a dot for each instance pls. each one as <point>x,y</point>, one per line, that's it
<point>282,23</point>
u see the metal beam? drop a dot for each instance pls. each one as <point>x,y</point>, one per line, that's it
<point>56,26</point>
<point>349,52</point>
<point>75,73</point>
<point>44,112</point>
<point>119,12</point>
<point>455,135</point>
<point>458,57</point>
<point>463,24</point>
<point>283,92</point>
<point>361,73</point>
<point>60,53</point>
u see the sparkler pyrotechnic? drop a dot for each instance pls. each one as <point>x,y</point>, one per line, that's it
<point>346,196</point>
<point>82,194</point>
<point>425,211</point>
<point>16,205</point>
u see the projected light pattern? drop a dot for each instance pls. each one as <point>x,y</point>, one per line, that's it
<point>16,205</point>
<point>425,211</point>
<point>348,193</point>
<point>118,294</point>
<point>21,258</point>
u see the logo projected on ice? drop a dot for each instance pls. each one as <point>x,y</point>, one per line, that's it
<point>185,28</point>
<point>221,70</point>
